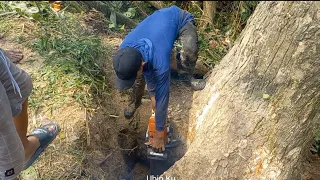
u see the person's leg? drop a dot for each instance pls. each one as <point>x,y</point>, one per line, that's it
<point>135,97</point>
<point>19,104</point>
<point>188,55</point>
<point>11,148</point>
<point>31,143</point>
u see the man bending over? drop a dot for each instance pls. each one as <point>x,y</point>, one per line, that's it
<point>146,50</point>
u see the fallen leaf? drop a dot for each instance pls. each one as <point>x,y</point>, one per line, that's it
<point>265,96</point>
<point>62,135</point>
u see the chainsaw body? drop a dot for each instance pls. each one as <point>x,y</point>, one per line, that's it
<point>169,142</point>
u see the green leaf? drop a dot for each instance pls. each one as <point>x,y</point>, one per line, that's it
<point>113,18</point>
<point>122,27</point>
<point>36,16</point>
<point>132,11</point>
<point>266,96</point>
<point>111,25</point>
<point>32,10</point>
<point>127,14</point>
<point>21,6</point>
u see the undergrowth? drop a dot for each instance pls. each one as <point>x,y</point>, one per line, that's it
<point>216,39</point>
<point>70,50</point>
<point>72,58</point>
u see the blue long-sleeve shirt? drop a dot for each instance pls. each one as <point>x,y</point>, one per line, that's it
<point>154,38</point>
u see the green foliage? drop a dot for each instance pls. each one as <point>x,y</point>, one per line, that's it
<point>113,20</point>
<point>61,32</point>
<point>70,49</point>
<point>130,13</point>
<point>26,9</point>
<point>318,135</point>
<point>123,7</point>
<point>232,16</point>
<point>315,148</point>
<point>230,19</point>
<point>72,55</point>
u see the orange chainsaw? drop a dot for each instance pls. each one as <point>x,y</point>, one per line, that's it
<point>167,136</point>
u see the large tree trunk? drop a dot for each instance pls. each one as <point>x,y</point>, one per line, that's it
<point>237,131</point>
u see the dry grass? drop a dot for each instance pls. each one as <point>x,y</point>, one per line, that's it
<point>69,90</point>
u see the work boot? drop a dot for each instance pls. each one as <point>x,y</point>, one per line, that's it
<point>189,80</point>
<point>135,97</point>
<point>197,84</point>
<point>130,110</point>
<point>186,74</point>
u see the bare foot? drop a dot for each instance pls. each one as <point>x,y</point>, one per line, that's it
<point>14,55</point>
<point>34,144</point>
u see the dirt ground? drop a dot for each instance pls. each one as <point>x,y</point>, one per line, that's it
<point>88,144</point>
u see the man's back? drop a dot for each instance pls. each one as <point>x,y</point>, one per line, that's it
<point>153,38</point>
<point>161,28</point>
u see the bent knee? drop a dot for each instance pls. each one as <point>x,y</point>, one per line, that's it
<point>25,84</point>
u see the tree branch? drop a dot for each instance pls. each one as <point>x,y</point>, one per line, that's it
<point>137,4</point>
<point>156,4</point>
<point>106,10</point>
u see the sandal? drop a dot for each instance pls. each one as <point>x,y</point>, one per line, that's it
<point>45,138</point>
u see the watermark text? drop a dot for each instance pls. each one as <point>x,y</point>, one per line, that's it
<point>152,177</point>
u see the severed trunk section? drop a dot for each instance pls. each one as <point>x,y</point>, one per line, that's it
<point>260,109</point>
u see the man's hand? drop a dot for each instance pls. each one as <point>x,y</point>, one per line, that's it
<point>158,141</point>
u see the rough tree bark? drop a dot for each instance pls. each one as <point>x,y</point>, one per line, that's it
<point>236,130</point>
<point>209,12</point>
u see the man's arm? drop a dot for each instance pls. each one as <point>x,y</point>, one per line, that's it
<point>158,87</point>
<point>151,85</point>
<point>162,99</point>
